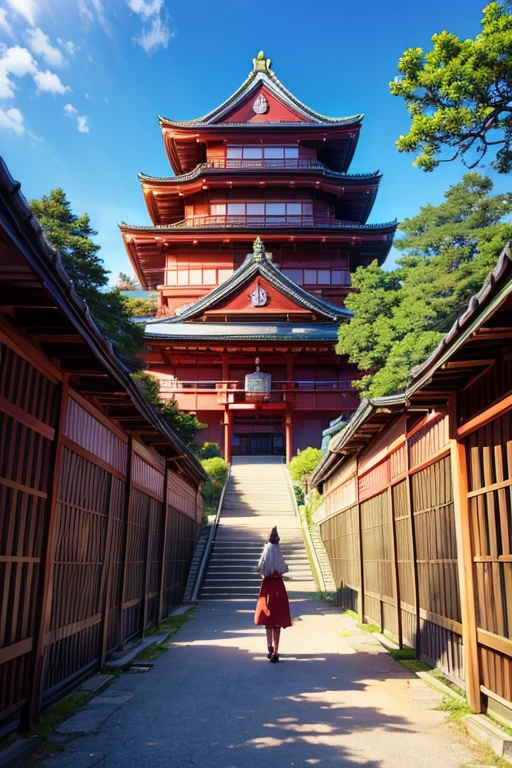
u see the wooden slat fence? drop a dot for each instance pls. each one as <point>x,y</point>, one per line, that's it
<point>407,553</point>
<point>107,573</point>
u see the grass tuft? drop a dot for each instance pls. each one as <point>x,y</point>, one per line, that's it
<point>60,711</point>
<point>407,657</point>
<point>155,650</point>
<point>457,709</point>
<point>349,612</point>
<point>369,627</point>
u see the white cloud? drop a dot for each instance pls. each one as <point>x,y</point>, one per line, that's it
<point>12,121</point>
<point>26,8</point>
<point>157,35</point>
<point>82,121</point>
<point>40,45</point>
<point>68,46</point>
<point>146,8</point>
<point>156,31</point>
<point>83,125</point>
<point>87,96</point>
<point>15,61</point>
<point>4,24</point>
<point>91,11</point>
<point>49,82</point>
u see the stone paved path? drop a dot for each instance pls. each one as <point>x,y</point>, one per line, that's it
<point>214,701</point>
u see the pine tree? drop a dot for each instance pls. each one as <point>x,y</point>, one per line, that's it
<point>72,236</point>
<point>401,315</point>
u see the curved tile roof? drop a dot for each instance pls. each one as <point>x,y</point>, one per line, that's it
<point>261,74</point>
<point>258,263</point>
<point>319,167</point>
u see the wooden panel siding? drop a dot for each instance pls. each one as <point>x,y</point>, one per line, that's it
<point>340,534</point>
<point>489,452</point>
<point>24,484</point>
<point>428,439</point>
<point>437,569</point>
<point>377,546</point>
<point>490,386</point>
<point>87,615</point>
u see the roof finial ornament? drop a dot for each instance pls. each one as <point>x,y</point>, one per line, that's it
<point>261,64</point>
<point>258,249</point>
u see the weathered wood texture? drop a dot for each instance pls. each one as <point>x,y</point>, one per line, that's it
<point>98,598</point>
<point>410,581</point>
<point>489,454</point>
<point>429,558</point>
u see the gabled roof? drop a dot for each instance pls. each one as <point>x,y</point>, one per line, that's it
<point>365,423</point>
<point>471,346</point>
<point>258,264</point>
<point>261,75</point>
<point>44,304</point>
<point>306,333</point>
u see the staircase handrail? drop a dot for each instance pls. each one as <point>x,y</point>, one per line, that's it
<point>305,531</point>
<point>211,537</point>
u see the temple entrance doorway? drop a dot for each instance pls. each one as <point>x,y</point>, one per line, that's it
<point>259,444</point>
<point>260,434</point>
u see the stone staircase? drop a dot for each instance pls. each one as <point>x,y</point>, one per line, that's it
<point>256,499</point>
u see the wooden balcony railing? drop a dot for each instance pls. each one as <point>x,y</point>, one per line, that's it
<point>281,391</point>
<point>277,163</point>
<point>229,221</point>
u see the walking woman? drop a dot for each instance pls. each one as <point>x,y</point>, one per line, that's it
<point>272,608</point>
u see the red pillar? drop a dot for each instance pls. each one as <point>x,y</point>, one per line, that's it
<point>289,436</point>
<point>225,366</point>
<point>228,421</point>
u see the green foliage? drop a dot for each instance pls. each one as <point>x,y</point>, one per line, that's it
<point>209,451</point>
<point>71,236</point>
<point>299,494</point>
<point>217,469</point>
<point>459,95</point>
<point>372,628</point>
<point>304,464</point>
<point>311,503</point>
<point>400,316</point>
<point>407,657</point>
<point>127,283</point>
<point>185,425</point>
<point>141,307</point>
<point>457,709</point>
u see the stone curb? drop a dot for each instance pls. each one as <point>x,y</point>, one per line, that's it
<point>435,683</point>
<point>485,732</point>
<point>133,652</point>
<point>19,752</point>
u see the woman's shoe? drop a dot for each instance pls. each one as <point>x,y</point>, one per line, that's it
<point>274,658</point>
<point>270,651</point>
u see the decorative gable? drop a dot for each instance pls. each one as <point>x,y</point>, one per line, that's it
<point>261,105</point>
<point>258,298</point>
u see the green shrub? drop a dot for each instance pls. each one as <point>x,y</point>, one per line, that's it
<point>299,494</point>
<point>305,463</point>
<point>216,468</point>
<point>209,451</point>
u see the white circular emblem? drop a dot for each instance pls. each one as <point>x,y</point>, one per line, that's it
<point>259,297</point>
<point>260,106</point>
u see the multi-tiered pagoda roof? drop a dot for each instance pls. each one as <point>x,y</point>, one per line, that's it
<point>262,114</point>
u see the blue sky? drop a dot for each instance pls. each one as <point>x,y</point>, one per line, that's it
<point>82,82</point>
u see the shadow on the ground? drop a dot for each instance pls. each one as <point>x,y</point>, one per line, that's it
<point>215,701</point>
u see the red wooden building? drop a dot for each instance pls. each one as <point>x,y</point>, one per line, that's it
<point>260,165</point>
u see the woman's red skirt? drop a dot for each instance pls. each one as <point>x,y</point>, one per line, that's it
<point>273,607</point>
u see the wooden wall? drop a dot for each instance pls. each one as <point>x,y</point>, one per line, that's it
<point>396,538</point>
<point>419,534</point>
<point>96,536</point>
